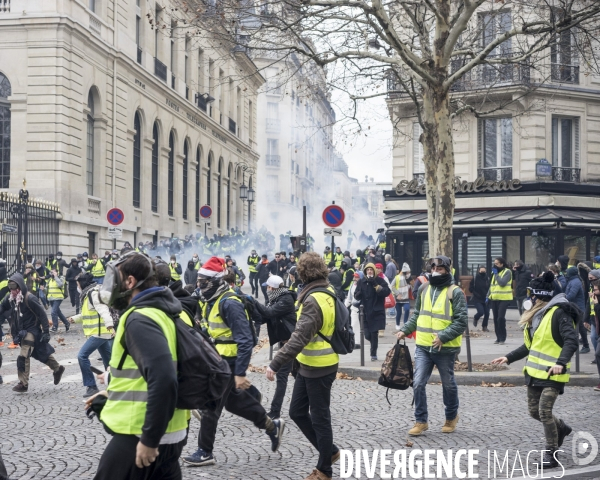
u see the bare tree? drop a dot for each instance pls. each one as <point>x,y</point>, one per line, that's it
<point>429,51</point>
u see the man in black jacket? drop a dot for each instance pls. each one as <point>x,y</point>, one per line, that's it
<point>30,329</point>
<point>280,316</point>
<point>522,278</point>
<point>72,273</point>
<point>263,272</point>
<point>336,279</point>
<point>480,284</point>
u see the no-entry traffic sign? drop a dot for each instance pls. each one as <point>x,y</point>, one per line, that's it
<point>205,211</point>
<point>333,216</point>
<point>115,216</point>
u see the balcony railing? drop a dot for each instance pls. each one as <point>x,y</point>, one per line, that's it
<point>492,76</point>
<point>94,206</point>
<point>419,177</point>
<point>273,125</point>
<point>139,55</point>
<point>4,6</point>
<point>565,73</point>
<point>160,69</point>
<point>495,174</point>
<point>232,127</point>
<point>273,160</point>
<point>566,174</point>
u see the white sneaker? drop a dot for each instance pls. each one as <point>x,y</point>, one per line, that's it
<point>397,328</point>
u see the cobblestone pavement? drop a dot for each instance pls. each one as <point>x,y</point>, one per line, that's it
<point>45,433</point>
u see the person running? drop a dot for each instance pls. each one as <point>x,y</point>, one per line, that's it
<point>318,363</point>
<point>230,327</point>
<point>550,333</point>
<point>98,327</point>
<point>440,318</point>
<point>30,330</point>
<point>72,273</point>
<point>55,295</point>
<point>263,275</point>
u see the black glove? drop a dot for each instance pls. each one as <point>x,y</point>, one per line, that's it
<point>45,337</point>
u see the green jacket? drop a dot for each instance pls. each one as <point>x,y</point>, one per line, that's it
<point>459,322</point>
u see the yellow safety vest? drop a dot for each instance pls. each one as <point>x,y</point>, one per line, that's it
<point>434,318</point>
<point>596,266</point>
<point>54,292</point>
<point>501,293</point>
<point>349,271</point>
<point>174,275</point>
<point>339,258</point>
<point>218,329</point>
<point>98,269</point>
<point>125,409</point>
<point>327,257</point>
<point>197,265</point>
<point>544,351</point>
<point>3,284</point>
<point>318,352</point>
<point>91,320</point>
<point>252,263</point>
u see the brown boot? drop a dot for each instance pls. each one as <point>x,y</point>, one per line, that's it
<point>335,457</point>
<point>317,475</point>
<point>418,429</point>
<point>450,425</point>
<point>20,388</point>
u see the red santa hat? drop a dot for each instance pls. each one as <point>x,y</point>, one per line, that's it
<point>213,267</point>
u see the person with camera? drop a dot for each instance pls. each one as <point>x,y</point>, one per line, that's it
<point>550,332</point>
<point>30,329</point>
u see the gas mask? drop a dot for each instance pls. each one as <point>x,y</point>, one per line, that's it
<point>112,292</point>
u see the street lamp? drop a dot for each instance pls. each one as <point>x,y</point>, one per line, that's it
<point>244,192</point>
<point>251,193</point>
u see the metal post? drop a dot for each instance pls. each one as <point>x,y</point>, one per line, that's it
<point>361,316</point>
<point>468,341</point>
<point>304,230</point>
<point>577,360</point>
<point>270,352</point>
<point>332,239</point>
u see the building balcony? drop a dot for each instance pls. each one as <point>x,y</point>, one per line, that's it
<point>565,73</point>
<point>495,174</point>
<point>160,69</point>
<point>273,125</point>
<point>566,174</point>
<point>273,160</point>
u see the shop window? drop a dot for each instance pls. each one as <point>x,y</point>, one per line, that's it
<point>595,247</point>
<point>513,249</point>
<point>575,249</point>
<point>539,252</point>
<point>565,149</point>
<point>472,254</point>
<point>495,148</point>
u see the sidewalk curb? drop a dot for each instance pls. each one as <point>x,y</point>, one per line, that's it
<point>472,378</point>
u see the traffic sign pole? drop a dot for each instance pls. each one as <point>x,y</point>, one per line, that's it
<point>332,240</point>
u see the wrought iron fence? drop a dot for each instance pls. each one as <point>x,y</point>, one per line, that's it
<point>566,174</point>
<point>35,223</point>
<point>565,73</point>
<point>495,174</point>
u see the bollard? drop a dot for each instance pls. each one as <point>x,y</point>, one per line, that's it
<point>577,359</point>
<point>468,339</point>
<point>361,316</point>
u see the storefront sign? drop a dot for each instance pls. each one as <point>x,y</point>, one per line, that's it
<point>196,121</point>
<point>219,136</point>
<point>413,187</point>
<point>173,105</point>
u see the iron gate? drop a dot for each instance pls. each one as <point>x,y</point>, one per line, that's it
<point>29,228</point>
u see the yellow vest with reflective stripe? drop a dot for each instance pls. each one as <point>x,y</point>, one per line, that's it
<point>544,351</point>
<point>174,275</point>
<point>125,409</point>
<point>3,284</point>
<point>501,293</point>
<point>327,258</point>
<point>98,269</point>
<point>339,258</point>
<point>433,318</point>
<point>318,353</point>
<point>218,329</point>
<point>596,266</point>
<point>351,270</point>
<point>54,292</point>
<point>91,320</point>
<point>252,263</point>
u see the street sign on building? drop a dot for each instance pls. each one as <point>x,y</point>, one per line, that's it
<point>333,216</point>
<point>115,216</point>
<point>6,228</point>
<point>205,211</point>
<point>115,232</point>
<point>334,232</point>
<point>543,169</point>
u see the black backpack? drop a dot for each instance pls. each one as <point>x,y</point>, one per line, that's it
<point>397,369</point>
<point>342,340</point>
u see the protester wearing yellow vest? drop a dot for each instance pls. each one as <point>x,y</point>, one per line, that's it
<point>318,363</point>
<point>551,339</point>
<point>327,255</point>
<point>97,268</point>
<point>97,323</point>
<point>230,327</point>
<point>500,296</point>
<point>252,262</point>
<point>175,269</point>
<point>338,257</point>
<point>55,286</point>
<point>440,318</point>
<point>149,432</point>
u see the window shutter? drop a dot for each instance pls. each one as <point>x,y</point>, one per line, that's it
<point>480,127</point>
<point>418,166</point>
<point>576,138</point>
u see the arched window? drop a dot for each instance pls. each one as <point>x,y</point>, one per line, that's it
<point>198,172</point>
<point>5,92</point>
<point>137,159</point>
<point>89,177</point>
<point>170,178</point>
<point>184,189</point>
<point>208,177</point>
<point>219,179</point>
<point>229,173</point>
<point>155,168</point>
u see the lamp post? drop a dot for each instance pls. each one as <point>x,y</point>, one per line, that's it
<point>247,192</point>
<point>251,193</point>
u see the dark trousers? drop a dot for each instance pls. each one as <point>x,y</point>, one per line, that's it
<point>283,375</point>
<point>583,334</point>
<point>118,461</point>
<point>264,291</point>
<point>597,355</point>
<point>499,311</point>
<point>483,310</point>
<point>309,409</point>
<point>254,282</point>
<point>373,338</point>
<point>239,402</point>
<point>74,296</point>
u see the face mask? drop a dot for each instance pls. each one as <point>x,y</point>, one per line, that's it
<point>527,304</point>
<point>195,259</point>
<point>369,275</point>
<point>114,257</point>
<point>58,257</point>
<point>79,290</point>
<point>435,274</point>
<point>112,292</point>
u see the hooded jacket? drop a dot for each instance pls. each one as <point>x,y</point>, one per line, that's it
<point>190,276</point>
<point>563,334</point>
<point>149,348</point>
<point>188,303</point>
<point>479,287</point>
<point>574,290</point>
<point>371,293</point>
<point>28,314</point>
<point>263,271</point>
<point>72,273</point>
<point>336,279</point>
<point>522,278</point>
<point>280,316</point>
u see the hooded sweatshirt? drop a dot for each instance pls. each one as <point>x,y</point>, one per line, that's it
<point>26,314</point>
<point>188,303</point>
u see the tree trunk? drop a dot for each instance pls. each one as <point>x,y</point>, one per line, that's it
<point>439,169</point>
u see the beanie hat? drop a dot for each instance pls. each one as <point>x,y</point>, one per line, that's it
<point>85,280</point>
<point>214,267</point>
<point>379,266</point>
<point>595,273</point>
<point>543,287</point>
<point>597,258</point>
<point>274,281</point>
<point>405,267</point>
<point>564,261</point>
<point>571,272</point>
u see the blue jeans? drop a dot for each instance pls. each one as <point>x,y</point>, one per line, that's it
<point>99,280</point>
<point>424,362</point>
<point>594,333</point>
<point>104,347</point>
<point>399,308</point>
<point>57,314</point>
<point>483,310</point>
<point>42,297</point>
